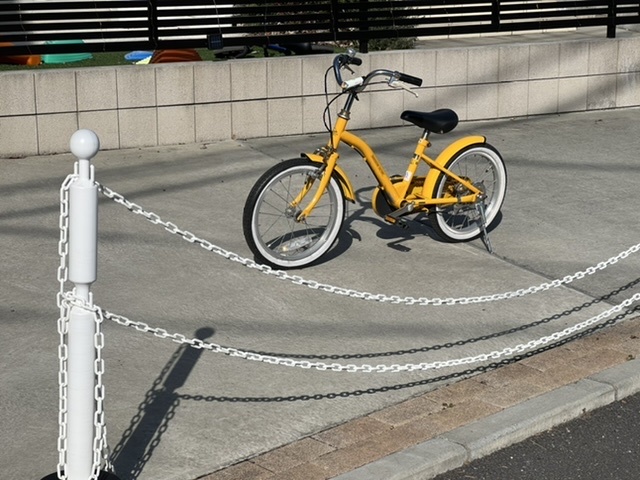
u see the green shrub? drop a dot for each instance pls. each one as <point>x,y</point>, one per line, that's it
<point>391,44</point>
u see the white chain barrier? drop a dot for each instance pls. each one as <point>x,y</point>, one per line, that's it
<point>338,367</point>
<point>352,368</point>
<point>79,301</point>
<point>377,297</point>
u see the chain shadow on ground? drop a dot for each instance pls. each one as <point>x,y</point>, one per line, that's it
<point>462,342</point>
<point>162,400</point>
<point>402,386</point>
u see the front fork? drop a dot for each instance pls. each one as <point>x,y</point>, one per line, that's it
<point>324,173</point>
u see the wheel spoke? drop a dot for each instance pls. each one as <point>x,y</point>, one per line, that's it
<point>483,167</point>
<point>270,225</point>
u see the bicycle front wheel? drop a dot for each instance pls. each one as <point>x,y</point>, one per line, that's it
<point>270,224</point>
<point>483,166</point>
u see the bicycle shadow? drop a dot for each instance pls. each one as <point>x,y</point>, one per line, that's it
<point>397,238</point>
<point>362,211</point>
<point>146,428</point>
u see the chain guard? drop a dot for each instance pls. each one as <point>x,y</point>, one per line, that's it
<point>379,200</point>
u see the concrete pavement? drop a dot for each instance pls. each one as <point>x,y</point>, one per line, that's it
<point>179,413</point>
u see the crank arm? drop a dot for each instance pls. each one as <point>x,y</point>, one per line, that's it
<point>394,217</point>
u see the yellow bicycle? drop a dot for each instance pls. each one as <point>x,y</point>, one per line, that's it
<point>294,212</point>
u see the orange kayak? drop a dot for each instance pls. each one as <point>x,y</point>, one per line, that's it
<point>175,55</point>
<point>30,60</point>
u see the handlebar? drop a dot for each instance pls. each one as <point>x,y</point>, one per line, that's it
<point>344,60</point>
<point>349,58</point>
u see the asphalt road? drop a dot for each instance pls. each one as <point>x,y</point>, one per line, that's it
<point>600,445</point>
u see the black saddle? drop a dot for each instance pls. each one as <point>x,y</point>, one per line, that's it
<point>439,121</point>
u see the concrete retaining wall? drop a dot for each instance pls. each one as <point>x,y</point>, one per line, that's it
<point>147,105</point>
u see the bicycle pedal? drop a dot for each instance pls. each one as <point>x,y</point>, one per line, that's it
<point>398,222</point>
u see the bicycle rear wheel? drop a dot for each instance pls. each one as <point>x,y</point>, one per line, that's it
<point>269,221</point>
<point>483,166</point>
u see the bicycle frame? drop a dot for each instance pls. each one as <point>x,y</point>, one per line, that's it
<point>294,213</point>
<point>398,193</point>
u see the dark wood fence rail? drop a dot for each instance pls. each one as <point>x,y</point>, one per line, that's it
<point>36,26</point>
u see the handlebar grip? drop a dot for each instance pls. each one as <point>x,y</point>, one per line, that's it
<point>355,61</point>
<point>403,77</point>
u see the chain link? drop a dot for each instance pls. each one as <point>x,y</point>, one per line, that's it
<point>379,297</point>
<point>352,368</point>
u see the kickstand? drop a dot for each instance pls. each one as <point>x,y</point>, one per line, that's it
<point>483,226</point>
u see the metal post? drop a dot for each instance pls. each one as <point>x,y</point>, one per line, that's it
<point>363,43</point>
<point>335,18</point>
<point>612,21</point>
<point>495,16</point>
<point>83,263</point>
<point>152,10</point>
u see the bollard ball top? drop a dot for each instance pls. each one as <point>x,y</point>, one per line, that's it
<point>84,144</point>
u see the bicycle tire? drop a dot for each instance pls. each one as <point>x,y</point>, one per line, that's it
<point>483,165</point>
<point>269,224</point>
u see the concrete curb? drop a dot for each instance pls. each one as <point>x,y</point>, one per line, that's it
<point>481,438</point>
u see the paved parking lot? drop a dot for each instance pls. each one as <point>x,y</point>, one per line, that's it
<point>178,413</point>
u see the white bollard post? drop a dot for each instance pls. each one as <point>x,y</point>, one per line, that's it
<point>83,263</point>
